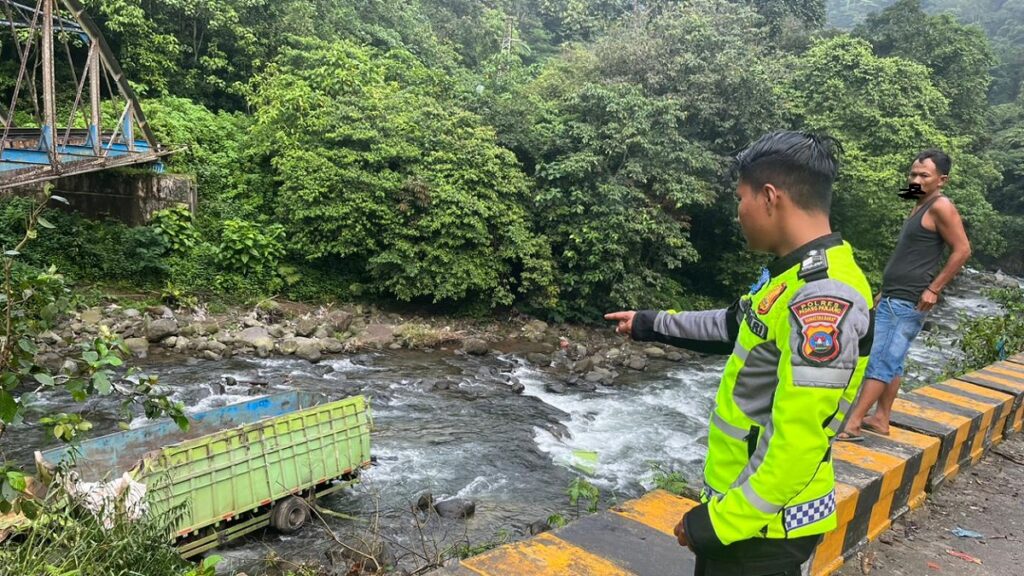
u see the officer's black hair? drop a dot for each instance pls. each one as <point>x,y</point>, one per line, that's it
<point>943,163</point>
<point>803,165</point>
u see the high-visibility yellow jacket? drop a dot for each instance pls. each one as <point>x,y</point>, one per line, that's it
<point>799,344</point>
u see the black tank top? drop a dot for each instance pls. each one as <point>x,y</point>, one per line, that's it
<point>914,263</point>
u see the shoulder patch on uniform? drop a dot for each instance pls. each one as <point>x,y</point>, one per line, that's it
<point>815,263</point>
<point>820,318</point>
<point>765,306</point>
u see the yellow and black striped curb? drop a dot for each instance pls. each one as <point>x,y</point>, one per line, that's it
<point>936,431</point>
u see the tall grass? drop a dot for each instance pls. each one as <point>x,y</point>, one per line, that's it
<point>66,539</point>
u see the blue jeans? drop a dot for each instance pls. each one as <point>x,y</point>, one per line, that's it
<point>897,323</point>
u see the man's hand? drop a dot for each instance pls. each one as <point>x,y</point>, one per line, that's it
<point>927,301</point>
<point>625,320</point>
<point>680,532</point>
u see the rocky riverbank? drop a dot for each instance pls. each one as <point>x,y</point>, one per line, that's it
<point>581,357</point>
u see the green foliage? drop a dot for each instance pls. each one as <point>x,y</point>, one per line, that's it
<point>580,492</point>
<point>250,249</point>
<point>840,87</point>
<point>959,58</point>
<point>31,302</point>
<point>175,227</point>
<point>669,480</point>
<point>989,339</point>
<point>467,550</point>
<point>65,538</point>
<point>557,521</point>
<point>425,205</point>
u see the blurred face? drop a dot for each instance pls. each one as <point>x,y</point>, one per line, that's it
<point>925,173</point>
<point>754,216</point>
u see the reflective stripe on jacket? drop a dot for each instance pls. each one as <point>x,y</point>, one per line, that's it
<point>799,344</point>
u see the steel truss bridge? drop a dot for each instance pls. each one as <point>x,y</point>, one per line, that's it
<point>34,148</point>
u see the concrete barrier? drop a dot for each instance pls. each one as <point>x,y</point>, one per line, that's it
<point>936,432</point>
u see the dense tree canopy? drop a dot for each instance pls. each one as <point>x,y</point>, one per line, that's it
<point>561,156</point>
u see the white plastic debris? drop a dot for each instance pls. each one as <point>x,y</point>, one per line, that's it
<point>107,500</point>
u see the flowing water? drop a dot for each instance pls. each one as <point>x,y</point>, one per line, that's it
<point>450,424</point>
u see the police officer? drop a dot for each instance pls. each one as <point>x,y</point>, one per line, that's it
<point>798,345</point>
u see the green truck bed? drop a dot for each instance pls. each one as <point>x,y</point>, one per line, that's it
<point>240,467</point>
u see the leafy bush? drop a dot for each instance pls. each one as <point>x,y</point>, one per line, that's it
<point>250,249</point>
<point>992,338</point>
<point>424,205</point>
<point>175,227</point>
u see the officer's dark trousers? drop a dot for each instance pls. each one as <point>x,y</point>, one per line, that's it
<point>758,557</point>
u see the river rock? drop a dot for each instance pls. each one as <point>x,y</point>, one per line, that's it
<point>69,367</point>
<point>517,386</point>
<point>475,346</point>
<point>131,313</point>
<point>555,387</point>
<point>210,355</point>
<point>288,346</point>
<point>538,527</point>
<point>207,327</point>
<point>218,347</point>
<point>169,342</point>
<point>252,322</point>
<point>585,386</point>
<point>600,376</point>
<point>51,361</point>
<point>321,332</point>
<point>182,344</point>
<point>332,345</point>
<point>673,356</point>
<point>425,502</point>
<point>583,366</point>
<point>538,359</point>
<point>654,352</point>
<point>308,349</point>
<point>256,337</point>
<point>455,508</point>
<point>92,316</point>
<point>225,337</point>
<point>577,351</point>
<point>637,363</point>
<point>1001,280</point>
<point>157,330</point>
<point>50,337</point>
<point>339,320</point>
<point>159,311</point>
<point>377,335</point>
<point>534,330</point>
<point>305,326</point>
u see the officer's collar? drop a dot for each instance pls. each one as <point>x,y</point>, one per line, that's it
<point>780,265</point>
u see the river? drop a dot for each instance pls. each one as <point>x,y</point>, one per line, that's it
<point>473,437</point>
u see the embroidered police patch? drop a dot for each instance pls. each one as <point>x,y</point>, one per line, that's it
<point>765,306</point>
<point>819,319</point>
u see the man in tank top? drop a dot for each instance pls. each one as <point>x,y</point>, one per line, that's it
<point>910,288</point>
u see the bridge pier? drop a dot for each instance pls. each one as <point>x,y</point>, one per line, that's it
<point>131,196</point>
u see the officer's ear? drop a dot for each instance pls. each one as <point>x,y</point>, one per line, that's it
<point>770,195</point>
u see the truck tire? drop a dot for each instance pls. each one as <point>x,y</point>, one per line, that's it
<point>289,514</point>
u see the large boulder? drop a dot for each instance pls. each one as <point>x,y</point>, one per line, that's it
<point>256,337</point>
<point>139,347</point>
<point>455,508</point>
<point>475,346</point>
<point>332,345</point>
<point>377,335</point>
<point>157,330</point>
<point>339,320</point>
<point>306,326</point>
<point>308,348</point>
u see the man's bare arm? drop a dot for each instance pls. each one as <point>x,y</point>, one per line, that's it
<point>949,225</point>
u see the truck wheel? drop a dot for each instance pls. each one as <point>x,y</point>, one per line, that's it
<point>289,515</point>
